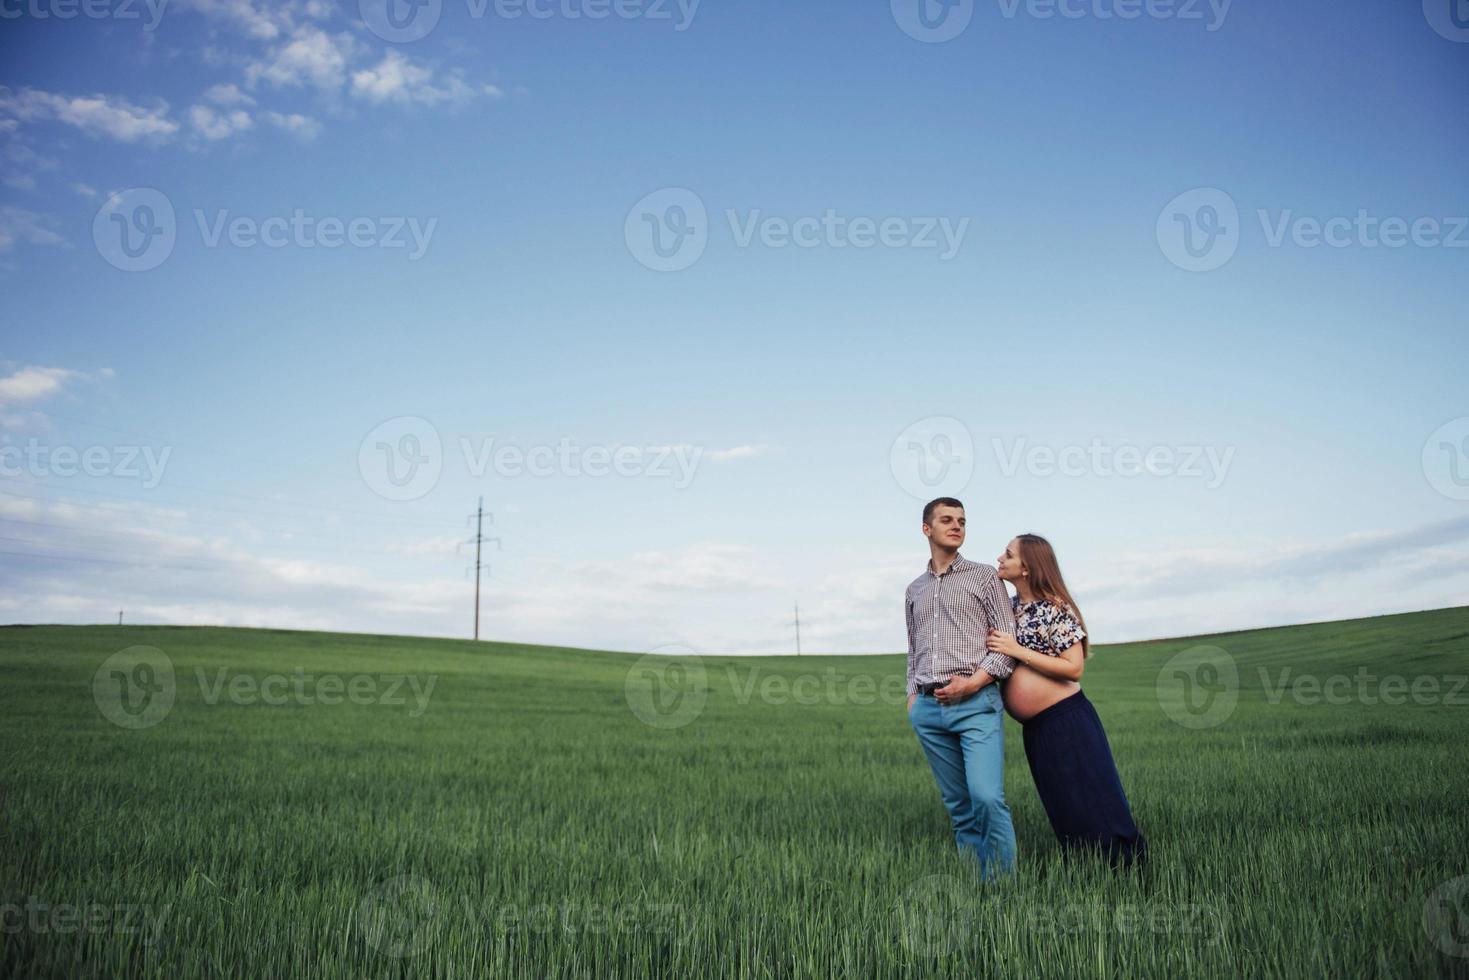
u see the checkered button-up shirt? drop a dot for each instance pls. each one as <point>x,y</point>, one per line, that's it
<point>949,616</point>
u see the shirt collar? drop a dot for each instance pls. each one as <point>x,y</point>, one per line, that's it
<point>960,564</point>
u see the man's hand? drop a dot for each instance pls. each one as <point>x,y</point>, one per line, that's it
<point>911,698</point>
<point>960,687</point>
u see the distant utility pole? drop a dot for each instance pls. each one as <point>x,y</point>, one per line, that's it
<point>798,629</point>
<point>479,524</point>
<point>479,539</point>
<point>119,617</point>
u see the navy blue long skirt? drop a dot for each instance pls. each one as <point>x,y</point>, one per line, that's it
<point>1077,780</point>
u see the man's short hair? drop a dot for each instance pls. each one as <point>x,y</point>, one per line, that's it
<point>929,507</point>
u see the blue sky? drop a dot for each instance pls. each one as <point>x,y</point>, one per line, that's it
<point>1068,157</point>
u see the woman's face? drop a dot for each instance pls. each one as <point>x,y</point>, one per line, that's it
<point>1008,563</point>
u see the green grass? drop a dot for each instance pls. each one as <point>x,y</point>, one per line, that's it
<point>526,822</point>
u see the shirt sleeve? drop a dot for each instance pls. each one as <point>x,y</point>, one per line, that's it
<point>1066,631</point>
<point>997,613</point>
<point>912,646</point>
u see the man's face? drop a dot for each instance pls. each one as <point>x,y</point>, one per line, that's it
<point>946,527</point>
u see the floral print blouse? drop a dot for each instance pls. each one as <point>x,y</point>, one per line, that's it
<point>1045,627</point>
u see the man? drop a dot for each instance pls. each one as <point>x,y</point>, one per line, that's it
<point>953,699</point>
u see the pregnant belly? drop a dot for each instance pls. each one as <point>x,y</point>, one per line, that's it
<point>1028,693</point>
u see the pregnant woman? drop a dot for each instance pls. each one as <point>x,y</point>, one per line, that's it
<point>1068,753</point>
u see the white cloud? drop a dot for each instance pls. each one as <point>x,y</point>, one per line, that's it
<point>311,56</point>
<point>18,225</point>
<point>20,182</point>
<point>112,116</point>
<point>32,384</point>
<point>735,452</point>
<point>214,125</point>
<point>714,597</point>
<point>295,124</point>
<point>85,190</point>
<point>397,79</point>
<point>262,23</point>
<point>227,95</point>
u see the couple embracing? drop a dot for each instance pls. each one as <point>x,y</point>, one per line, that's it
<point>972,650</point>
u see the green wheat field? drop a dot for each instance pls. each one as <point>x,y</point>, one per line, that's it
<point>184,802</point>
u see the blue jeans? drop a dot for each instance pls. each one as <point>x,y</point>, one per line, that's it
<point>965,745</point>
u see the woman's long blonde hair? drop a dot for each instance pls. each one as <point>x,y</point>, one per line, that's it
<point>1039,559</point>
